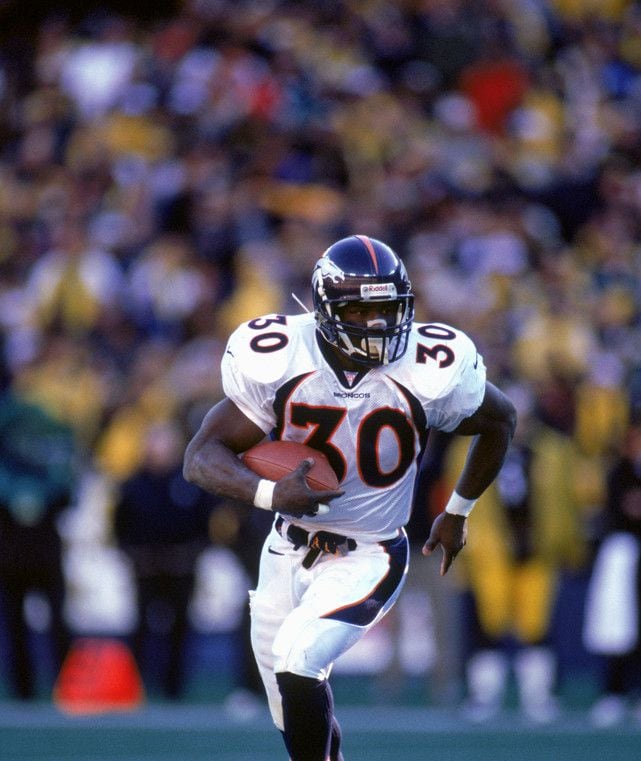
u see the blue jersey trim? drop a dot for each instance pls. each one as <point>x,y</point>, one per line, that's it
<point>365,611</point>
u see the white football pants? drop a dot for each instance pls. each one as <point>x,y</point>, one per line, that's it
<point>304,619</point>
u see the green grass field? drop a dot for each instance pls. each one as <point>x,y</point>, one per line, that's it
<point>40,732</point>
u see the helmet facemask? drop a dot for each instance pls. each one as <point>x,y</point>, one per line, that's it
<point>378,343</point>
<point>364,270</point>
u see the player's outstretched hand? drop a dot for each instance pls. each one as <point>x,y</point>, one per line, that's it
<point>450,531</point>
<point>293,496</point>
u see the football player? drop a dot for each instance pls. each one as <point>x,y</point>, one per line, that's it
<point>363,383</point>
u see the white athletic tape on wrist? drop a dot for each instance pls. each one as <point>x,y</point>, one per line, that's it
<point>264,496</point>
<point>458,505</point>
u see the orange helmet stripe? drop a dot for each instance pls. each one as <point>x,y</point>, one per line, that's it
<point>370,250</point>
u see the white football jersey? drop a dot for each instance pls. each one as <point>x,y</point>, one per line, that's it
<point>372,425</point>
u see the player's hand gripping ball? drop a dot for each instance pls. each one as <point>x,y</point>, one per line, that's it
<point>275,459</point>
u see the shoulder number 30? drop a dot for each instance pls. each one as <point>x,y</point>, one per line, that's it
<point>439,352</point>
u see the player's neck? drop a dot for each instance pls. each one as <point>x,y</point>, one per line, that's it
<point>348,371</point>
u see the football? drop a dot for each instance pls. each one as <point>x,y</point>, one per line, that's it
<point>275,459</point>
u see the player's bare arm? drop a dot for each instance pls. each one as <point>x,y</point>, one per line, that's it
<point>492,426</point>
<point>211,461</point>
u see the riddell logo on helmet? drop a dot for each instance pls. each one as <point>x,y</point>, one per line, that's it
<point>378,291</point>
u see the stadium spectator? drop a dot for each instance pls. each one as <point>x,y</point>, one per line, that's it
<point>37,480</point>
<point>612,626</point>
<point>533,526</point>
<point>162,524</point>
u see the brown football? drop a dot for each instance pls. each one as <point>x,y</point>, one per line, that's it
<point>275,459</point>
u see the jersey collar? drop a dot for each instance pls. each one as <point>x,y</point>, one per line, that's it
<point>347,378</point>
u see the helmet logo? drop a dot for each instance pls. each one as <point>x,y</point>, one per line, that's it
<point>328,269</point>
<point>378,291</point>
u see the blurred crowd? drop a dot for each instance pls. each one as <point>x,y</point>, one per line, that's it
<point>163,180</point>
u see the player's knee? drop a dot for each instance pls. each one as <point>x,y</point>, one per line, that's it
<point>301,664</point>
<point>310,648</point>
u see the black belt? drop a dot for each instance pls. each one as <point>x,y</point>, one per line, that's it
<point>321,541</point>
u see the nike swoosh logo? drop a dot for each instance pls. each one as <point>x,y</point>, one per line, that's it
<point>273,552</point>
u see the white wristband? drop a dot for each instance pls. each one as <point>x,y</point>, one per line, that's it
<point>458,505</point>
<point>264,494</point>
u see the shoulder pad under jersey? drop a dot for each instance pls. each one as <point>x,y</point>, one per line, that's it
<point>265,348</point>
<point>443,369</point>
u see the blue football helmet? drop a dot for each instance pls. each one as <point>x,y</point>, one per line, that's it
<point>363,269</point>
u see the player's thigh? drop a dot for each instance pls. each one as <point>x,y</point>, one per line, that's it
<point>345,597</point>
<point>272,600</point>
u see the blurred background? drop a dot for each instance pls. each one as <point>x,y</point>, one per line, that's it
<point>169,170</point>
